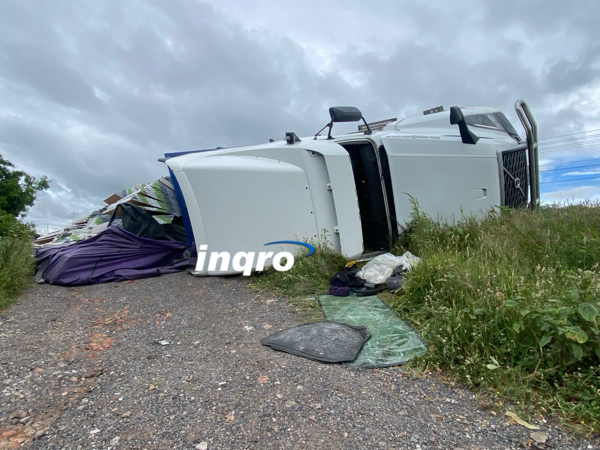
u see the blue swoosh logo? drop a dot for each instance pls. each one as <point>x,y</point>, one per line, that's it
<point>310,248</point>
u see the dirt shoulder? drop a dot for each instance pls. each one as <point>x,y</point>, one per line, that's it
<point>84,368</point>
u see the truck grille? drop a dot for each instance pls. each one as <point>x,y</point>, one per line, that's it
<point>516,184</point>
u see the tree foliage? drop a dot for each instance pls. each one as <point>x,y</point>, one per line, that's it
<point>18,189</point>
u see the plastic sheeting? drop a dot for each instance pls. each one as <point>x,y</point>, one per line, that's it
<point>392,342</point>
<point>113,255</point>
<point>324,341</point>
<point>380,268</point>
<point>140,222</point>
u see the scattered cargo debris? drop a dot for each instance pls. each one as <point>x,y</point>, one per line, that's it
<point>137,234</point>
<point>327,341</point>
<point>393,341</point>
<point>157,198</point>
<point>113,255</point>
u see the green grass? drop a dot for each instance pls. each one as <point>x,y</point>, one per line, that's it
<point>308,278</point>
<point>16,262</point>
<point>509,304</point>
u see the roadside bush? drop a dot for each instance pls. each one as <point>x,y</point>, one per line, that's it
<point>16,262</point>
<point>11,227</point>
<point>18,191</point>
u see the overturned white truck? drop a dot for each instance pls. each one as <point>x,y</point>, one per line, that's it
<point>353,191</point>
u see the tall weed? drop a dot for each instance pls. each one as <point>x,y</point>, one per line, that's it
<point>16,261</point>
<point>511,304</point>
<point>16,268</point>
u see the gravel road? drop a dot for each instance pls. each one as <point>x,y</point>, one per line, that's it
<point>85,368</point>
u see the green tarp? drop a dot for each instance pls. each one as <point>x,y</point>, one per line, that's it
<point>392,341</point>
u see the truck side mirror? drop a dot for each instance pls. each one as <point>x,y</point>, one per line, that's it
<point>457,118</point>
<point>345,114</point>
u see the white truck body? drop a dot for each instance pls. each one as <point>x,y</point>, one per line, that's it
<point>354,191</point>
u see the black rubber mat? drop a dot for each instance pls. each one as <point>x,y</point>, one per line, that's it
<point>324,341</point>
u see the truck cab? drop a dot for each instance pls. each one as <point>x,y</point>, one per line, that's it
<point>353,192</point>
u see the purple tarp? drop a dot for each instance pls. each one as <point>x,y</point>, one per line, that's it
<point>113,255</point>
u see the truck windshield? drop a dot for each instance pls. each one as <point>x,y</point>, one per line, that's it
<point>485,121</point>
<point>495,121</point>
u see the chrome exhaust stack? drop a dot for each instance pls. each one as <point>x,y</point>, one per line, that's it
<point>530,126</point>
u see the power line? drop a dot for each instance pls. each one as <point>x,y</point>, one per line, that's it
<point>571,144</point>
<point>571,140</point>
<point>594,137</point>
<point>571,134</point>
<point>571,162</point>
<point>570,168</point>
<point>568,148</point>
<point>572,180</point>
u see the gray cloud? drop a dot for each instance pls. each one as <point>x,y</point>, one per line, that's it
<point>539,16</point>
<point>38,69</point>
<point>93,92</point>
<point>573,71</point>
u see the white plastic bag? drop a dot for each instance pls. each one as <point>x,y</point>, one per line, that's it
<point>381,267</point>
<point>409,260</point>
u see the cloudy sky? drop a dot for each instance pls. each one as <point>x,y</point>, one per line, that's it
<point>93,92</point>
